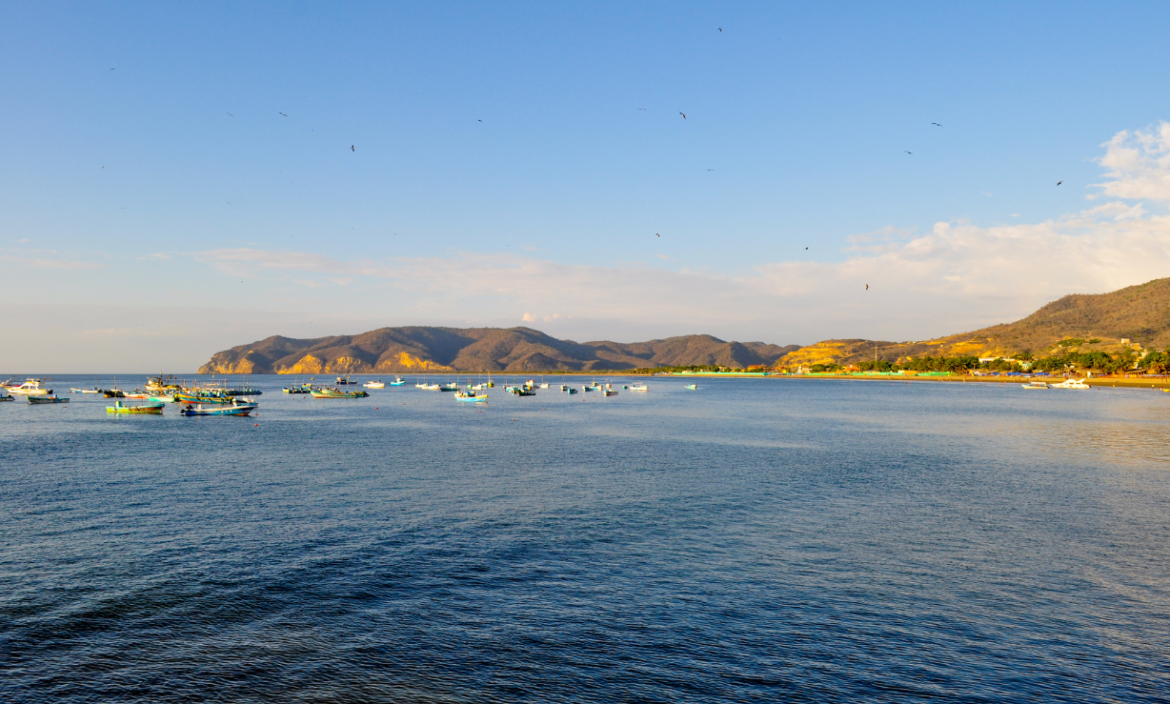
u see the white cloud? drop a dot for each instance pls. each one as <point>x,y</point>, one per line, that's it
<point>1139,164</point>
<point>957,277</point>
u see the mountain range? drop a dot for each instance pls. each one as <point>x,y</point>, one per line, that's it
<point>520,349</point>
<point>1131,317</point>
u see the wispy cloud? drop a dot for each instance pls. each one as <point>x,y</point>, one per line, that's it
<point>44,263</point>
<point>1139,164</point>
<point>957,276</point>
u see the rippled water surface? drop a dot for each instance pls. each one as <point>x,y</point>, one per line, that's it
<point>754,540</point>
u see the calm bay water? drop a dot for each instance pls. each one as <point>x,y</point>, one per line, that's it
<point>755,540</point>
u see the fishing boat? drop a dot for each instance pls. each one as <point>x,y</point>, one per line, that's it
<point>471,397</point>
<point>344,380</point>
<point>608,392</point>
<point>302,389</point>
<point>451,386</point>
<point>31,387</point>
<point>94,390</point>
<point>520,391</point>
<point>146,408</point>
<point>113,393</point>
<point>569,390</point>
<point>336,393</point>
<point>206,397</point>
<point>398,381</point>
<point>1035,385</point>
<point>48,398</point>
<point>379,384</point>
<point>642,388</point>
<point>162,398</point>
<point>162,383</point>
<point>586,388</point>
<point>135,394</point>
<point>235,408</point>
<point>5,397</point>
<point>1072,384</point>
<point>691,387</point>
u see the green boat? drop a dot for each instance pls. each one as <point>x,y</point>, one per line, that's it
<point>338,393</point>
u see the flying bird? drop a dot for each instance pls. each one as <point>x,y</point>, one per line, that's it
<point>806,248</point>
<point>910,153</point>
<point>867,287</point>
<point>1059,182</point>
<point>710,169</point>
<point>720,29</point>
<point>230,115</point>
<point>683,114</point>
<point>642,109</point>
<point>936,124</point>
<point>657,235</point>
<point>282,114</point>
<point>111,69</point>
<point>351,147</point>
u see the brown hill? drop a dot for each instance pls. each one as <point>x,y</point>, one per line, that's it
<point>1139,314</point>
<point>418,349</point>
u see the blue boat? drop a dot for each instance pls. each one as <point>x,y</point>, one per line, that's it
<point>470,397</point>
<point>398,381</point>
<point>236,408</point>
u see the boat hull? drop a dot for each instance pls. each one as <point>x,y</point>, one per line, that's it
<point>200,410</point>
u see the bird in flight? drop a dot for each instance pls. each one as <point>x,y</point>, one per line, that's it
<point>351,147</point>
<point>867,287</point>
<point>910,153</point>
<point>806,248</point>
<point>710,169</point>
<point>479,120</point>
<point>657,235</point>
<point>230,115</point>
<point>720,29</point>
<point>283,114</point>
<point>936,124</point>
<point>1059,182</point>
<point>683,114</point>
<point>111,69</point>
<point>642,109</point>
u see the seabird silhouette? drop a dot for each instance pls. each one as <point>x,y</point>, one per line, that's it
<point>1059,182</point>
<point>282,113</point>
<point>683,114</point>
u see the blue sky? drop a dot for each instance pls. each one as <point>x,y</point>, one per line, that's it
<point>505,172</point>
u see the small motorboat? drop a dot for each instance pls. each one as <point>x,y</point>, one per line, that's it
<point>338,393</point>
<point>608,392</point>
<point>145,409</point>
<point>236,408</point>
<point>379,384</point>
<point>1072,384</point>
<point>692,387</point>
<point>94,390</point>
<point>114,393</point>
<point>344,380</point>
<point>47,398</point>
<point>398,381</point>
<point>6,397</point>
<point>32,387</point>
<point>640,387</point>
<point>471,397</point>
<point>1035,385</point>
<point>570,390</point>
<point>450,386</point>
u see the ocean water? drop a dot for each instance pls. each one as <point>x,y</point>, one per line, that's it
<point>751,541</point>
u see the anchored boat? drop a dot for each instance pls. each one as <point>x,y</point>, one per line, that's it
<point>145,409</point>
<point>336,393</point>
<point>235,408</point>
<point>50,398</point>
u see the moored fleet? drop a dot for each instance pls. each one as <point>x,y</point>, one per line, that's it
<point>219,398</point>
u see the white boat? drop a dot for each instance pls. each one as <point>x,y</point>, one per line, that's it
<point>375,384</point>
<point>86,391</point>
<point>32,387</point>
<point>429,387</point>
<point>1036,385</point>
<point>640,387</point>
<point>1072,384</point>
